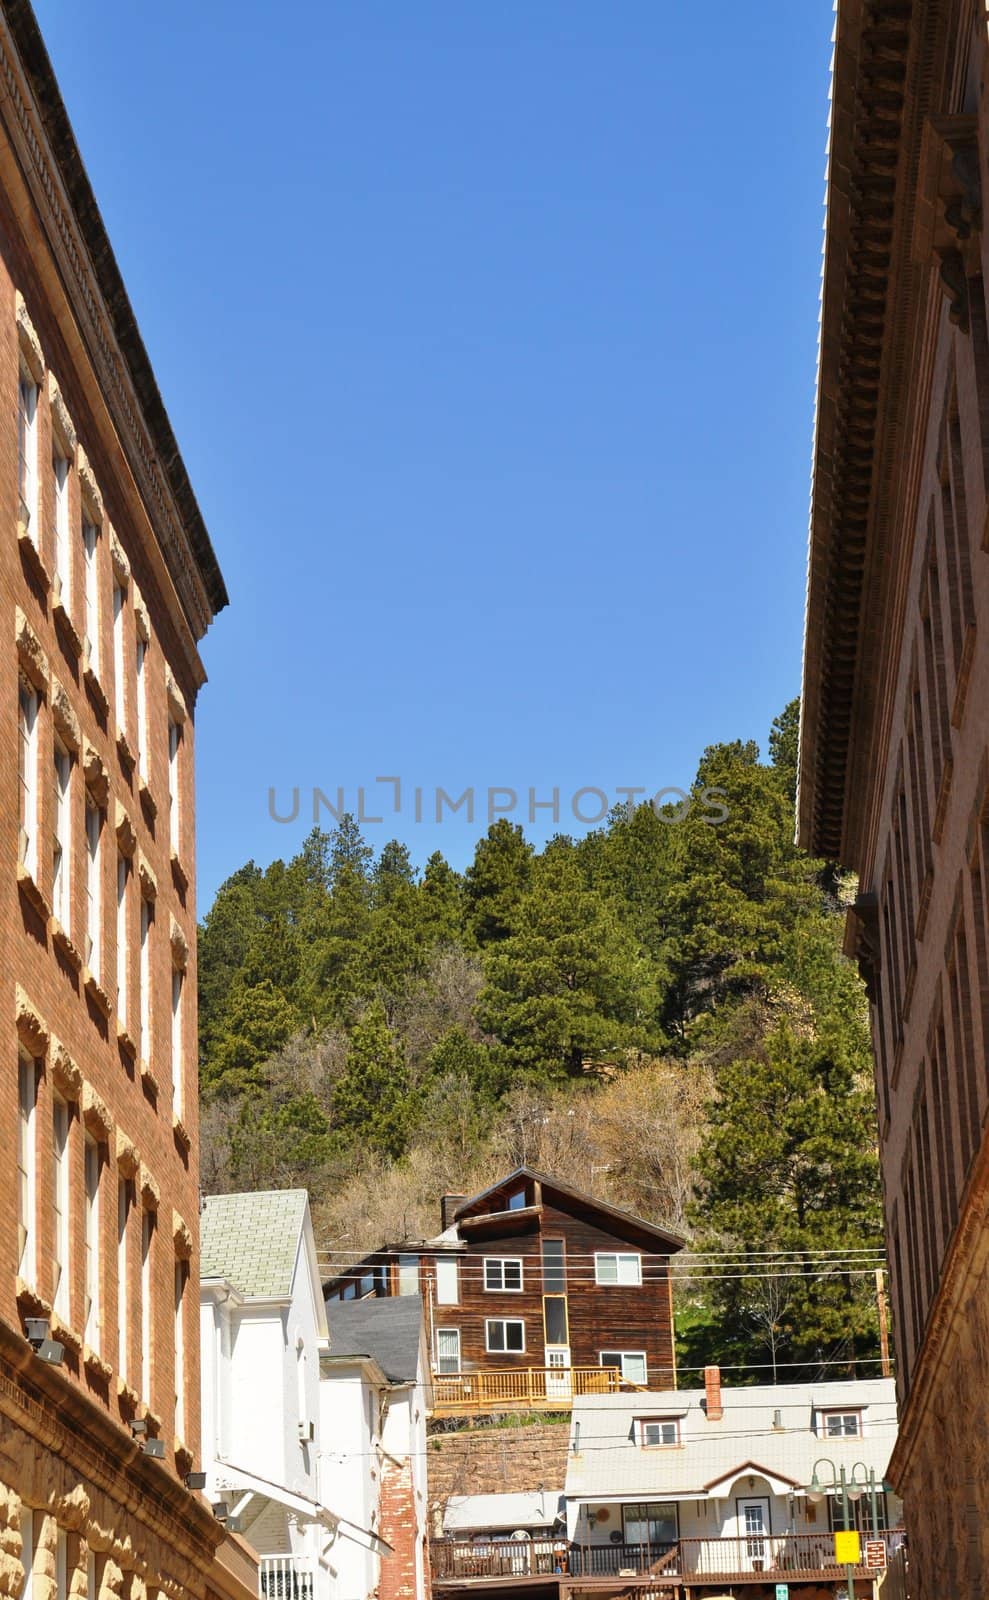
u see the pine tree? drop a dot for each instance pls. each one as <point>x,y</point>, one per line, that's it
<point>372,1102</point>
<point>496,880</point>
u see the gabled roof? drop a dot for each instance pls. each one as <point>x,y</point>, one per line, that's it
<point>386,1328</point>
<point>252,1240</point>
<point>566,1191</point>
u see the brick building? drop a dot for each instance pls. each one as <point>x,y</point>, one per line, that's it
<point>895,723</point>
<point>108,582</point>
<point>534,1292</point>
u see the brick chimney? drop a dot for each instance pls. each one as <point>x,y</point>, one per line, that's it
<point>448,1206</point>
<point>712,1394</point>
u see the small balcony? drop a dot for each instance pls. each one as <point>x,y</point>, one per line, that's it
<point>286,1577</point>
<point>784,1558</point>
<point>519,1389</point>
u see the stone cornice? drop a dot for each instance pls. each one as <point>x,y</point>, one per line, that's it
<point>38,128</point>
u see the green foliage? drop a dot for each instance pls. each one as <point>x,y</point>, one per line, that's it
<point>372,1103</point>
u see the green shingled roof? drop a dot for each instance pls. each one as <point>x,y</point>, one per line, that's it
<point>252,1240</point>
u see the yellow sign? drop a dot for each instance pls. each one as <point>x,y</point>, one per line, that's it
<point>847,1550</point>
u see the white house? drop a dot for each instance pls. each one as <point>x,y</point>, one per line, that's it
<point>707,1483</point>
<point>271,1441</point>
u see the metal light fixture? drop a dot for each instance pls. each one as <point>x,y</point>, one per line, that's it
<point>195,1480</point>
<point>220,1511</point>
<point>36,1331</point>
<point>138,1426</point>
<point>154,1448</point>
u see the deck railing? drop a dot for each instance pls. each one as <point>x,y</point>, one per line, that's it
<point>520,1388</point>
<point>793,1556</point>
<point>286,1577</point>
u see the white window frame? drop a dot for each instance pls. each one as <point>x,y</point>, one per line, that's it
<point>94,822</point>
<point>27,451</point>
<point>178,1007</point>
<point>92,1240</point>
<point>61,1215</point>
<point>62,836</point>
<point>27,1552</point>
<point>448,1333</point>
<point>141,684</point>
<point>504,1323</point>
<point>623,1356</point>
<point>27,1166</point>
<point>825,1415</point>
<point>124,1206</point>
<point>628,1269</point>
<point>181,1279</point>
<point>447,1281</point>
<point>63,530</point>
<point>28,707</point>
<point>516,1200</point>
<point>660,1426</point>
<point>123,940</point>
<point>174,786</point>
<point>494,1274</point>
<point>91,591</point>
<point>147,917</point>
<point>119,656</point>
<point>147,1281</point>
<point>407,1273</point>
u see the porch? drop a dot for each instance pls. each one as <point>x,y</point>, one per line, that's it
<point>519,1388</point>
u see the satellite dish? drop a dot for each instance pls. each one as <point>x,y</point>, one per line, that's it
<point>520,1533</point>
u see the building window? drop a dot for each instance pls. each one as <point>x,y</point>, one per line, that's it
<point>556,1322</point>
<point>90,536</point>
<point>91,1239</point>
<point>141,657</point>
<point>61,1565</point>
<point>839,1424</point>
<point>516,1201</point>
<point>504,1334</point>
<point>123,952</point>
<point>27,453</point>
<point>610,1267</point>
<point>447,1281</point>
<point>174,789</point>
<point>448,1349</point>
<point>554,1267</point>
<point>178,985</point>
<point>124,1194</point>
<point>94,888</point>
<point>62,838</point>
<point>27,1553</point>
<point>147,1239</point>
<point>655,1432</point>
<point>63,577</point>
<point>653,1525</point>
<point>27,734</point>
<point>503,1273</point>
<point>27,1179</point>
<point>119,658</point>
<point>61,1232</point>
<point>630,1365</point>
<point>181,1276</point>
<point>408,1274</point>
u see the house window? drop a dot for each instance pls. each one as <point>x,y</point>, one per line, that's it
<point>27,452</point>
<point>147,1238</point>
<point>447,1281</point>
<point>61,1233</point>
<point>119,658</point>
<point>861,1513</point>
<point>617,1268</point>
<point>91,594</point>
<point>144,979</point>
<point>654,1525</point>
<point>631,1364</point>
<point>655,1432</point>
<point>61,1565</point>
<point>448,1349</point>
<point>174,790</point>
<point>123,1286</point>
<point>516,1201</point>
<point>839,1424</point>
<point>181,1277</point>
<point>27,733</point>
<point>141,656</point>
<point>503,1273</point>
<point>91,1239</point>
<point>63,578</point>
<point>94,887</point>
<point>123,953</point>
<point>62,839</point>
<point>178,985</point>
<point>555,1320</point>
<point>27,1552</point>
<point>554,1267</point>
<point>27,1086</point>
<point>505,1334</point>
<point>408,1274</point>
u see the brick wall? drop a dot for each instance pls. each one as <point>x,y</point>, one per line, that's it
<point>405,1573</point>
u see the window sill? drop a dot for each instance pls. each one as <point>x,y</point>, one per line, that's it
<point>179,875</point>
<point>32,556</point>
<point>184,1457</point>
<point>97,993</point>
<point>149,1080</point>
<point>65,623</point>
<point>125,1041</point>
<point>181,1132</point>
<point>31,892</point>
<point>65,1334</point>
<point>95,688</point>
<point>61,939</point>
<point>125,752</point>
<point>30,1301</point>
<point>129,1396</point>
<point>94,1363</point>
<point>148,800</point>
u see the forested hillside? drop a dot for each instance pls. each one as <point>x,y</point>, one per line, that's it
<point>658,1012</point>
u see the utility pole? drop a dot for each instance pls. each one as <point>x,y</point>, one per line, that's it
<point>883,1321</point>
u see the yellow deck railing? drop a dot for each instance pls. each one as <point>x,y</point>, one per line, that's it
<point>519,1388</point>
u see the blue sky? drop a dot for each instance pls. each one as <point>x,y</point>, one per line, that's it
<point>488,332</point>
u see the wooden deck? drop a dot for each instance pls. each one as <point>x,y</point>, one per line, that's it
<point>519,1389</point>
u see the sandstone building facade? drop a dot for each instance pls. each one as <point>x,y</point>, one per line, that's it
<point>895,717</point>
<point>108,581</point>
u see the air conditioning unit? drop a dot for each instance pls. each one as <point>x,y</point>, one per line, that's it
<point>307,1432</point>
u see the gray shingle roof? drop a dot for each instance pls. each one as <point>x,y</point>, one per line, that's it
<point>252,1240</point>
<point>387,1328</point>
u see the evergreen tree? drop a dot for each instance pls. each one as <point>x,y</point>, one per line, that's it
<point>496,880</point>
<point>372,1103</point>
